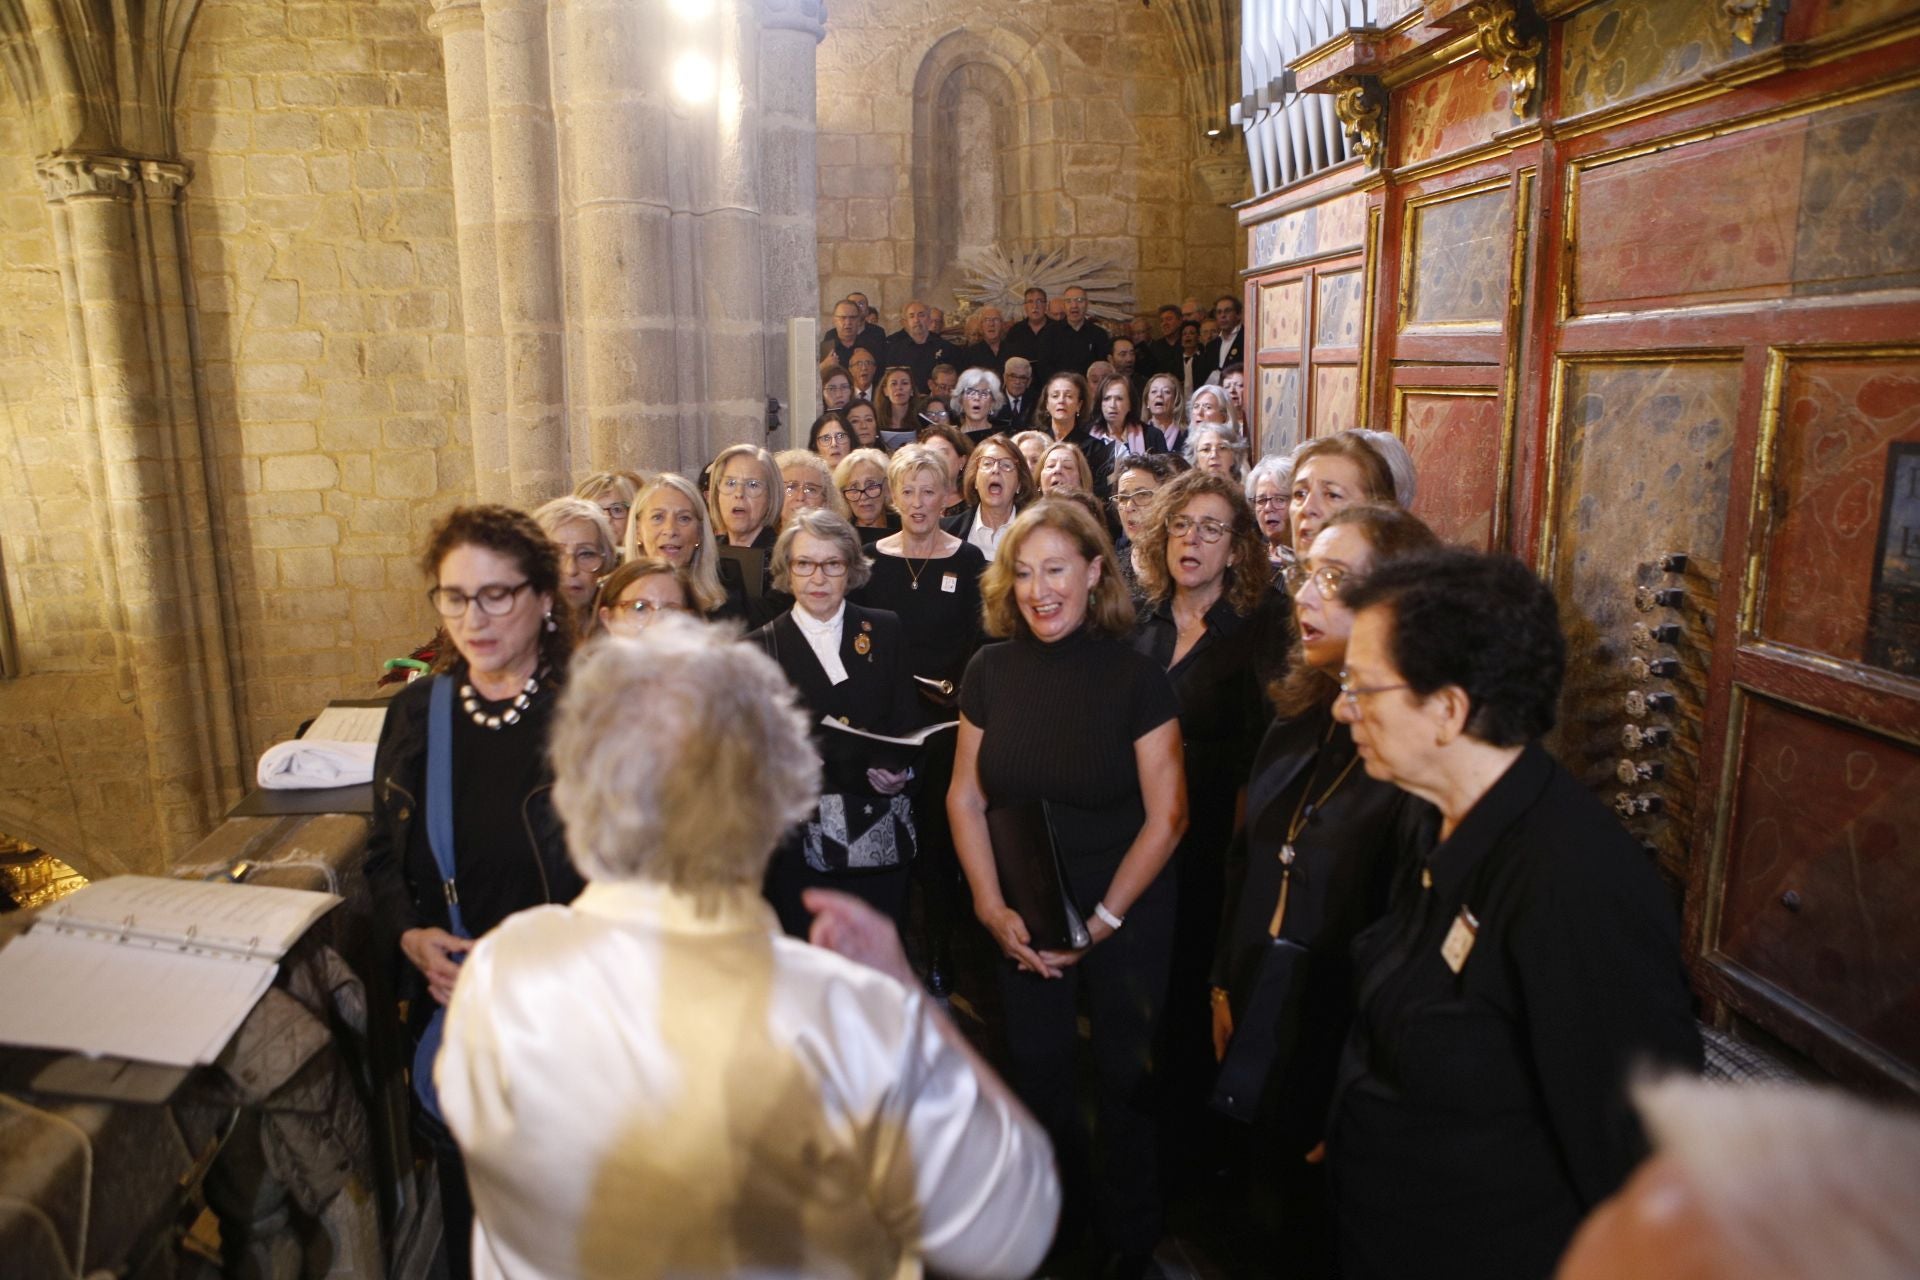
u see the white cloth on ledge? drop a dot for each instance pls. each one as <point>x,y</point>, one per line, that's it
<point>308,764</point>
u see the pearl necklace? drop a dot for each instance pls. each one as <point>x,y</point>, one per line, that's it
<point>471,701</point>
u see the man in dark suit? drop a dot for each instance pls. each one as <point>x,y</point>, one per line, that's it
<point>1073,346</point>
<point>1017,382</point>
<point>851,332</point>
<point>917,347</point>
<point>1228,348</point>
<point>990,352</point>
<point>1162,355</point>
<point>1028,338</point>
<point>1193,366</point>
<point>1125,358</point>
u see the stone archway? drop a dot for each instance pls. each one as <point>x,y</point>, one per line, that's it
<point>983,94</point>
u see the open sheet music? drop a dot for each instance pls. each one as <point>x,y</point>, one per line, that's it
<point>149,968</point>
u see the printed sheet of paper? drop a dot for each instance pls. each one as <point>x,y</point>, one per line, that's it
<point>62,991</point>
<point>261,920</point>
<point>347,724</point>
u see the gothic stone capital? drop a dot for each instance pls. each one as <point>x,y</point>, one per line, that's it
<point>1361,104</point>
<point>809,17</point>
<point>68,177</point>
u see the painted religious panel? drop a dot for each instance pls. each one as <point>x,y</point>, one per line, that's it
<point>1860,198</point>
<point>1644,449</point>
<point>1313,232</point>
<point>1621,49</point>
<point>1459,260</point>
<point>1823,872</point>
<point>1839,570</point>
<point>1280,312</point>
<point>1455,438</point>
<point>1336,313</point>
<point>1279,409</point>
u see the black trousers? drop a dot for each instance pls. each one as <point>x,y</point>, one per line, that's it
<point>1124,984</point>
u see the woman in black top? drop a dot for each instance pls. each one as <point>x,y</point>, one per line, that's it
<point>1528,963</point>
<point>1345,829</point>
<point>1219,631</point>
<point>497,590</point>
<point>745,494</point>
<point>930,580</point>
<point>848,662</point>
<point>1066,713</point>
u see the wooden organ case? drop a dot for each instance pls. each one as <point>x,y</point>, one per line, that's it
<point>1638,284</point>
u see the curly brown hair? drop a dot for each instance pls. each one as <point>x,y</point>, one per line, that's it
<point>514,534</point>
<point>1247,574</point>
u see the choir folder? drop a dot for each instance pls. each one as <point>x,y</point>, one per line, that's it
<point>1031,879</point>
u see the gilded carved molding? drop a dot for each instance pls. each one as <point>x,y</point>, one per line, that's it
<point>1743,17</point>
<point>1361,105</point>
<point>1496,28</point>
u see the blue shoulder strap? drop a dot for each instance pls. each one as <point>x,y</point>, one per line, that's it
<point>440,795</point>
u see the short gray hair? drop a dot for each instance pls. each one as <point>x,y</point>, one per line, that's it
<point>911,458</point>
<point>649,729</point>
<point>978,379</point>
<point>830,528</point>
<point>1399,464</point>
<point>1277,465</point>
<point>551,515</point>
<point>1801,1181</point>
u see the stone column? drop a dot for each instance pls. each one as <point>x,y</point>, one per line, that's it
<point>117,233</point>
<point>789,173</point>
<point>464,50</point>
<point>526,232</point>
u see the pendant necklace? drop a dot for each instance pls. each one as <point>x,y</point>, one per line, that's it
<point>471,702</point>
<point>1303,814</point>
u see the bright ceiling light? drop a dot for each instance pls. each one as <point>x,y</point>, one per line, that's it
<point>692,10</point>
<point>694,78</point>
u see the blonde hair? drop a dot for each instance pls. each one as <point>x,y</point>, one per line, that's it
<point>813,462</point>
<point>769,474</point>
<point>913,458</point>
<point>702,572</point>
<point>1079,463</point>
<point>1109,611</point>
<point>623,485</point>
<point>649,729</point>
<point>551,515</point>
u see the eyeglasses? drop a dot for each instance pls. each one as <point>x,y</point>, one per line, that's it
<point>996,466</point>
<point>1128,501</point>
<point>1353,692</point>
<point>982,392</point>
<point>868,489</point>
<point>811,492</point>
<point>737,485</point>
<point>807,568</point>
<point>832,438</point>
<point>1211,530</point>
<point>641,612</point>
<point>1327,580</point>
<point>1266,501</point>
<point>616,510</point>
<point>495,599</point>
<point>587,558</point>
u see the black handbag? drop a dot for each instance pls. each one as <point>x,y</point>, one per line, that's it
<point>1267,998</point>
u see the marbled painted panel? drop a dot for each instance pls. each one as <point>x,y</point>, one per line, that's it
<point>1280,315</point>
<point>1860,198</point>
<point>1462,259</point>
<point>1449,111</point>
<point>1312,232</point>
<point>1831,815</point>
<point>1279,409</point>
<point>1455,443</point>
<point>1336,316</point>
<point>1731,238</point>
<point>1622,49</point>
<point>1336,398</point>
<point>1827,17</point>
<point>1644,458</point>
<point>1837,418</point>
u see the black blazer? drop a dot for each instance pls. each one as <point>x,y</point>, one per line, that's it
<point>1225,353</point>
<point>877,694</point>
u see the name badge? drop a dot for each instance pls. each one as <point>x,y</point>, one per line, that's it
<point>949,583</point>
<point>1459,943</point>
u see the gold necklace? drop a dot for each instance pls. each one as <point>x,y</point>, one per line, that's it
<point>1302,814</point>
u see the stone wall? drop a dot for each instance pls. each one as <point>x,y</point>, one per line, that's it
<point>1095,147</point>
<point>321,217</point>
<point>70,737</point>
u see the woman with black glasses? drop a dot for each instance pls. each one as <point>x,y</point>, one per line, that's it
<point>490,825</point>
<point>583,535</point>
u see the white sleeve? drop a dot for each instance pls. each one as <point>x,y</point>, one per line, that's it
<point>962,1173</point>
